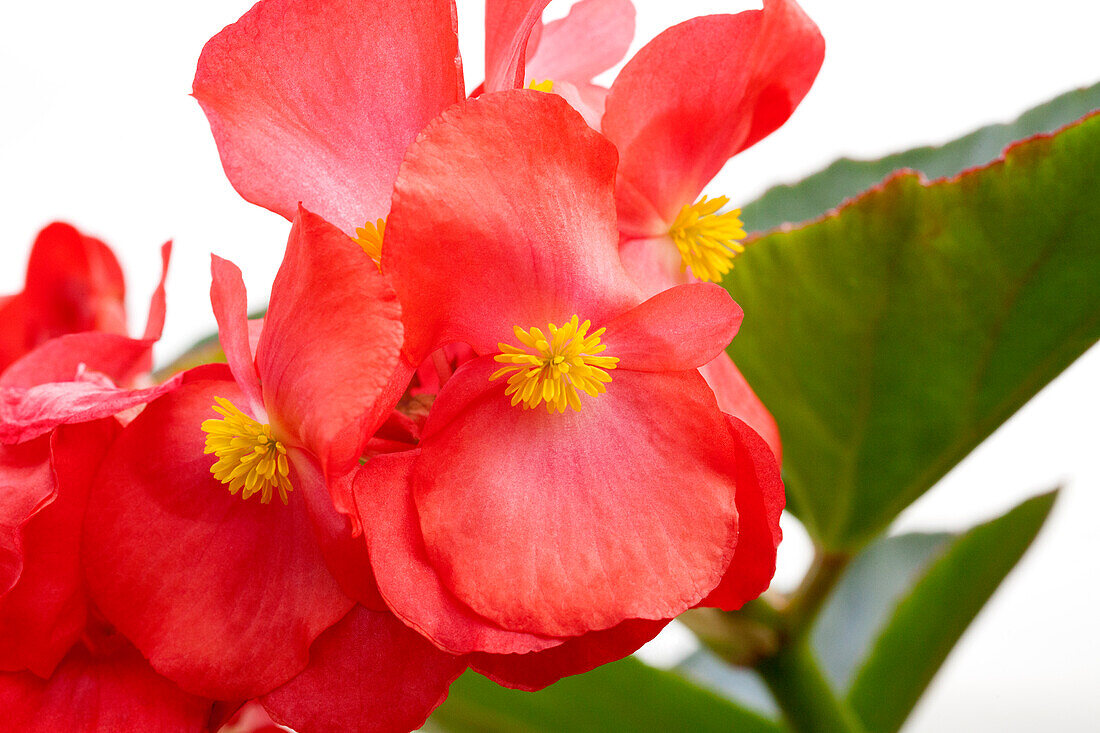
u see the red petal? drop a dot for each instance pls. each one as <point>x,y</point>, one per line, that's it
<point>590,40</point>
<point>760,501</point>
<point>407,580</point>
<point>560,524</point>
<point>677,329</point>
<point>654,264</point>
<point>100,695</point>
<point>367,673</point>
<point>13,329</point>
<point>26,485</point>
<point>222,595</point>
<point>74,283</point>
<point>344,549</point>
<point>508,26</point>
<point>230,303</point>
<point>331,339</point>
<point>28,413</point>
<point>736,398</point>
<point>696,95</point>
<point>503,216</point>
<point>44,613</point>
<point>580,654</point>
<point>316,102</point>
<point>154,323</point>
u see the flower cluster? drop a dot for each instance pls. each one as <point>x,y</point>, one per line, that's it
<point>487,420</point>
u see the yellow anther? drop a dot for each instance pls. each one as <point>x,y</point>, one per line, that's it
<point>546,85</point>
<point>708,241</point>
<point>551,366</point>
<point>369,237</point>
<point>249,456</point>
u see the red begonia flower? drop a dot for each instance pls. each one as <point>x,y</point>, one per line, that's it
<point>315,102</point>
<point>562,56</point>
<point>73,284</point>
<point>102,690</point>
<point>674,135</point>
<point>515,530</point>
<point>231,598</point>
<point>114,355</point>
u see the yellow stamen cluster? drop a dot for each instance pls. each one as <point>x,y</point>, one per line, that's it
<point>555,364</point>
<point>546,85</point>
<point>708,241</point>
<point>249,457</point>
<point>369,237</point>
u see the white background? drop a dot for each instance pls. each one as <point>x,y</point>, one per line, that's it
<point>96,128</point>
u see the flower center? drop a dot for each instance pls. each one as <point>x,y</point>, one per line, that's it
<point>708,241</point>
<point>369,237</point>
<point>249,456</point>
<point>552,365</point>
<point>546,85</point>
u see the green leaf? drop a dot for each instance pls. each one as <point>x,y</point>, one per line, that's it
<point>925,626</point>
<point>813,196</point>
<point>868,593</point>
<point>893,336</point>
<point>622,696</point>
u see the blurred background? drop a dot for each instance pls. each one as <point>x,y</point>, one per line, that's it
<point>97,129</point>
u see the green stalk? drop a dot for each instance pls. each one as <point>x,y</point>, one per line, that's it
<point>808,702</point>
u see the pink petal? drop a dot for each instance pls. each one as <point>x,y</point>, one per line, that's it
<point>26,414</point>
<point>224,596</point>
<point>316,102</point>
<point>44,613</point>
<point>760,501</point>
<point>677,329</point>
<point>503,216</point>
<point>331,340</point>
<point>100,694</point>
<point>407,580</point>
<point>368,673</point>
<point>560,524</point>
<point>580,654</point>
<point>230,303</point>
<point>508,26</point>
<point>62,359</point>
<point>696,95</point>
<point>590,40</point>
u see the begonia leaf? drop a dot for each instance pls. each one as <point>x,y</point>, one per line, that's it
<point>624,695</point>
<point>815,195</point>
<point>925,625</point>
<point>892,336</point>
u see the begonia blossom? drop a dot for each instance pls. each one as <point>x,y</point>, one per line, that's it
<point>73,284</point>
<point>575,485</point>
<point>696,95</point>
<point>214,537</point>
<point>562,56</point>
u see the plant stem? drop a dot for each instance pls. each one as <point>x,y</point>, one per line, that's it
<point>808,702</point>
<point>807,600</point>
